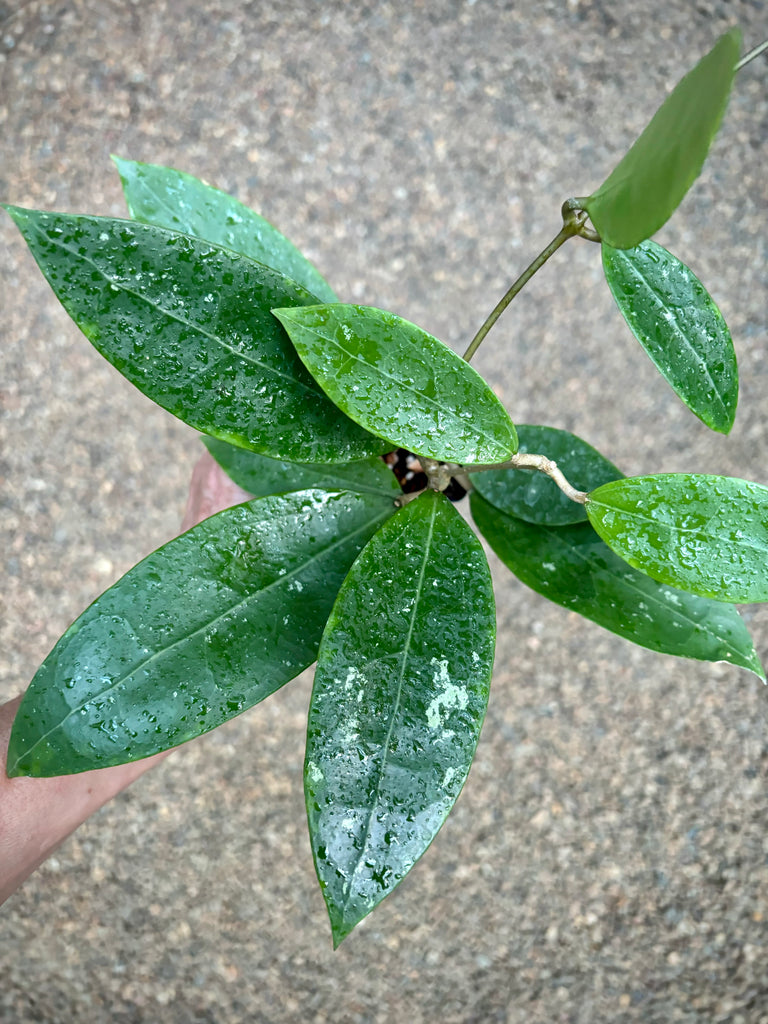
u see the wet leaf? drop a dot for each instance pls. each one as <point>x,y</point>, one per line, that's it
<point>261,476</point>
<point>675,320</point>
<point>574,568</point>
<point>530,495</point>
<point>400,693</point>
<point>704,534</point>
<point>401,383</point>
<point>172,199</point>
<point>649,183</point>
<point>203,628</point>
<point>189,324</point>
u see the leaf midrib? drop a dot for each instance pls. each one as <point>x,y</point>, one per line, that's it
<point>199,629</point>
<point>660,303</point>
<point>421,398</point>
<point>398,697</point>
<point>315,392</point>
<point>645,596</point>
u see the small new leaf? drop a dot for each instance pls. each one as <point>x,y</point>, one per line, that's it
<point>399,382</point>
<point>574,568</point>
<point>530,495</point>
<point>649,183</point>
<point>676,321</point>
<point>400,694</point>
<point>189,324</point>
<point>704,534</point>
<point>203,628</point>
<point>172,199</point>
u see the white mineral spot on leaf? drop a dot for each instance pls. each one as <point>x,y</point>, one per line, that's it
<point>353,676</point>
<point>314,772</point>
<point>452,696</point>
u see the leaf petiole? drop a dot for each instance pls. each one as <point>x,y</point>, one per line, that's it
<point>527,460</point>
<point>574,223</point>
<point>754,52</point>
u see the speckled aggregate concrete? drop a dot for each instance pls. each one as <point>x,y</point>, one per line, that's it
<point>608,859</point>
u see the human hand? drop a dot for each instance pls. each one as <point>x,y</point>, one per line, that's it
<point>36,815</point>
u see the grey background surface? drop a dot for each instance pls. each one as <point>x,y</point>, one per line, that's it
<point>607,860</point>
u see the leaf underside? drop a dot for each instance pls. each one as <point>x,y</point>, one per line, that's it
<point>673,317</point>
<point>574,568</point>
<point>399,697</point>
<point>704,534</point>
<point>200,630</point>
<point>401,383</point>
<point>188,323</point>
<point>648,184</point>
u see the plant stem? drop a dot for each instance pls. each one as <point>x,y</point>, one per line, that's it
<point>755,52</point>
<point>526,460</point>
<point>570,227</point>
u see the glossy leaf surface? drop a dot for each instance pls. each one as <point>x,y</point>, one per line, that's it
<point>261,476</point>
<point>704,534</point>
<point>647,186</point>
<point>401,383</point>
<point>400,694</point>
<point>197,632</point>
<point>172,199</point>
<point>574,568</point>
<point>189,324</point>
<point>673,317</point>
<point>530,495</point>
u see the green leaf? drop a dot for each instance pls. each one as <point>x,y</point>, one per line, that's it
<point>574,568</point>
<point>400,694</point>
<point>534,497</point>
<point>649,183</point>
<point>189,324</point>
<point>203,628</point>
<point>704,534</point>
<point>676,321</point>
<point>401,383</point>
<point>261,476</point>
<point>172,199</point>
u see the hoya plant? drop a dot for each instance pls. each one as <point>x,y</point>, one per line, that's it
<point>309,404</point>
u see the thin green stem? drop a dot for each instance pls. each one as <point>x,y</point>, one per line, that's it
<point>570,227</point>
<point>760,48</point>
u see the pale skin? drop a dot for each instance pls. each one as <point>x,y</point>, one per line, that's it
<point>37,815</point>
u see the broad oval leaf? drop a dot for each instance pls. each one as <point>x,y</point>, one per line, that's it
<point>648,184</point>
<point>400,694</point>
<point>530,495</point>
<point>260,476</point>
<point>678,324</point>
<point>399,382</point>
<point>704,534</point>
<point>574,568</point>
<point>188,323</point>
<point>206,626</point>
<point>172,199</point>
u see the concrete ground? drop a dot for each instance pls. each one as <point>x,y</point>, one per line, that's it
<point>608,859</point>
